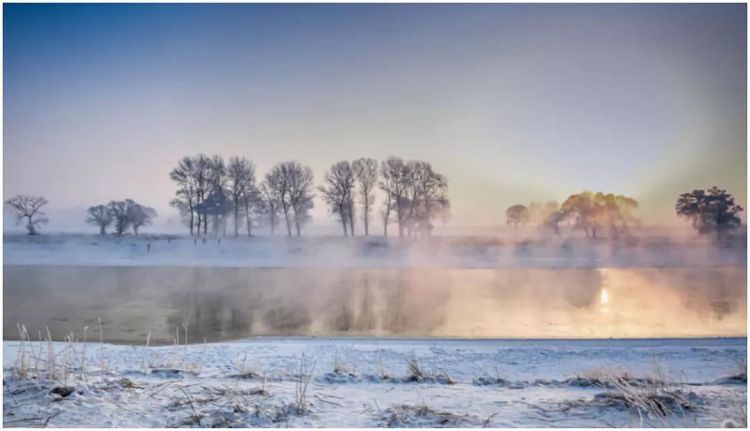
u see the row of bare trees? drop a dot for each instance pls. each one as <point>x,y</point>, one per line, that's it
<point>212,191</point>
<point>414,194</point>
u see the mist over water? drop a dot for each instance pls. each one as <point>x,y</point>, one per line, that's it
<point>231,303</point>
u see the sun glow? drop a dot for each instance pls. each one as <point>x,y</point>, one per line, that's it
<point>604,297</point>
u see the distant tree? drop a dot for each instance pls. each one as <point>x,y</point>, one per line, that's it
<point>416,193</point>
<point>130,214</point>
<point>184,175</point>
<point>428,197</point>
<point>517,215</point>
<point>139,215</point>
<point>29,208</point>
<point>277,187</point>
<point>553,221</point>
<point>593,211</point>
<point>100,215</point>
<point>338,193</point>
<point>300,193</point>
<point>366,175</point>
<point>271,203</point>
<point>395,180</point>
<point>291,183</point>
<point>201,173</point>
<point>712,210</point>
<point>253,202</point>
<point>241,175</point>
<point>387,184</point>
<point>120,211</point>
<point>217,204</point>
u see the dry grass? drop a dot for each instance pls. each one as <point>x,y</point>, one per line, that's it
<point>416,373</point>
<point>301,384</point>
<point>407,415</point>
<point>649,396</point>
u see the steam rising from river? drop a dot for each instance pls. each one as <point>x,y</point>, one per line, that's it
<point>230,303</point>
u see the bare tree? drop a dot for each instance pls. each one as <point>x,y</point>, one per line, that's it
<point>291,183</point>
<point>217,203</point>
<point>337,192</point>
<point>100,215</point>
<point>366,175</point>
<point>187,192</point>
<point>416,192</point>
<point>201,177</point>
<point>429,197</point>
<point>253,203</point>
<point>29,208</point>
<point>300,193</point>
<point>277,189</point>
<point>395,180</point>
<point>241,178</point>
<point>386,184</point>
<point>271,202</point>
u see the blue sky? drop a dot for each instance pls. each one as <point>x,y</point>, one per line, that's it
<point>512,102</point>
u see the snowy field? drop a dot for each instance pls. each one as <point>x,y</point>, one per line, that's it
<point>391,252</point>
<point>351,382</point>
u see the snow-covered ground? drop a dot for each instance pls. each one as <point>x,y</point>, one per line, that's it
<point>355,382</point>
<point>379,252</point>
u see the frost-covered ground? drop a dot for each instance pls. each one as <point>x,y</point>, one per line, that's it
<point>351,382</point>
<point>377,252</point>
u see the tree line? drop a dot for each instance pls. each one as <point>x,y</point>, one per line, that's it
<point>122,215</point>
<point>413,194</point>
<point>212,191</point>
<point>709,211</point>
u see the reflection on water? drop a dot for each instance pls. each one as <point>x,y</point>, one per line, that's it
<point>231,303</point>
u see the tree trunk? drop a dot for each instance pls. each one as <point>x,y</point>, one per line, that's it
<point>367,216</point>
<point>191,220</point>
<point>102,229</point>
<point>351,223</point>
<point>351,218</point>
<point>236,217</point>
<point>288,222</point>
<point>30,226</point>
<point>249,222</point>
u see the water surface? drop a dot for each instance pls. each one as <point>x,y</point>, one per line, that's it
<point>231,303</point>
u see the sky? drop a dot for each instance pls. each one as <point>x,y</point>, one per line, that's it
<point>511,102</point>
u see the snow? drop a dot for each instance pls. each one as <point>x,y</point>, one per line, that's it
<point>366,382</point>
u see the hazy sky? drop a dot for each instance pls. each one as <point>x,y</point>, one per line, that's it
<point>511,102</point>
